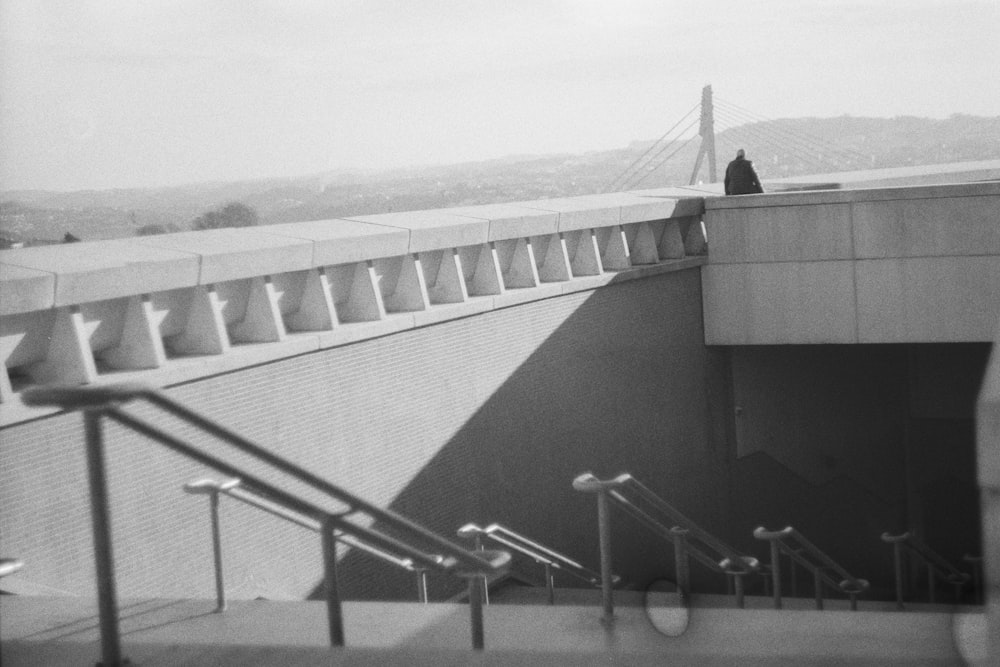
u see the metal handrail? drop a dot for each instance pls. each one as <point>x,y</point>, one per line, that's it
<point>812,558</point>
<point>105,401</point>
<point>548,558</point>
<point>232,488</point>
<point>936,564</point>
<point>10,566</point>
<point>688,538</point>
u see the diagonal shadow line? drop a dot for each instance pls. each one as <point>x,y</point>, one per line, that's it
<point>168,623</point>
<point>88,619</point>
<point>93,622</point>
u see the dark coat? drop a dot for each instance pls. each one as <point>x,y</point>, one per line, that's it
<point>741,179</point>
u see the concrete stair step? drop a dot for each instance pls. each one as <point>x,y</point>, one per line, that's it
<point>528,595</point>
<point>64,631</point>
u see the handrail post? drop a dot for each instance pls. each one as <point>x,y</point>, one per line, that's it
<point>976,562</point>
<point>476,612</point>
<point>422,585</point>
<point>793,576</point>
<point>604,534</point>
<point>550,583</point>
<point>897,559</point>
<point>220,588</point>
<point>682,563</point>
<point>335,616</point>
<point>818,588</point>
<point>738,588</point>
<point>100,512</point>
<point>482,582</point>
<point>776,573</point>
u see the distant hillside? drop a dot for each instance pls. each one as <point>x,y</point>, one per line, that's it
<point>788,147</point>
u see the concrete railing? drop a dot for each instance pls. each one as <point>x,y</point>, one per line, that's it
<point>171,308</point>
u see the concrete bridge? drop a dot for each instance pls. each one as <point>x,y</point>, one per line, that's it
<point>817,363</point>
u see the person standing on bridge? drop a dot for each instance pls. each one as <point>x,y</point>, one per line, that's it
<point>741,179</point>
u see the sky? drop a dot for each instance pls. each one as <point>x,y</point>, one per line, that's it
<point>97,95</point>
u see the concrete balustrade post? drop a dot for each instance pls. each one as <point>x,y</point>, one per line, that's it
<point>204,331</point>
<point>260,320</point>
<point>613,248</point>
<point>517,263</point>
<point>139,345</point>
<point>313,309</point>
<point>356,294</point>
<point>693,232</point>
<point>401,283</point>
<point>670,244</point>
<point>550,254</point>
<point>641,243</point>
<point>481,269</point>
<point>68,358</point>
<point>584,253</point>
<point>442,272</point>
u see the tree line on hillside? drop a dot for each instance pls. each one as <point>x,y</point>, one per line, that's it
<point>233,214</point>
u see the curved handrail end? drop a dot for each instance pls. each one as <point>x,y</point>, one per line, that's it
<point>751,565</point>
<point>762,533</point>
<point>589,482</point>
<point>495,561</point>
<point>207,485</point>
<point>469,530</point>
<point>890,539</point>
<point>854,587</point>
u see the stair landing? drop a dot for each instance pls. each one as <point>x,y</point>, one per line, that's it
<point>63,631</point>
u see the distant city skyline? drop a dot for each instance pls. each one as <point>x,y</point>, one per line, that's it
<point>100,95</point>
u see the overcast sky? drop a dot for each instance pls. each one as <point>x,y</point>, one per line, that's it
<point>163,92</point>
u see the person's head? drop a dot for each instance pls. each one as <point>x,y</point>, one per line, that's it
<point>741,153</point>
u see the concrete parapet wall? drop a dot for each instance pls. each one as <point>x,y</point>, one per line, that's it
<point>894,265</point>
<point>176,307</point>
<point>988,462</point>
<point>482,418</point>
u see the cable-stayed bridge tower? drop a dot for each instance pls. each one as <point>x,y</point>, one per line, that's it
<point>707,132</point>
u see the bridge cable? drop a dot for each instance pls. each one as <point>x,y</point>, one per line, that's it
<point>788,142</point>
<point>631,182</point>
<point>612,184</point>
<point>770,136</point>
<point>847,153</point>
<point>802,139</point>
<point>826,144</point>
<point>767,137</point>
<point>664,161</point>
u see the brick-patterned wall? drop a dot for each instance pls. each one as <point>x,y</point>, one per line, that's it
<point>483,418</point>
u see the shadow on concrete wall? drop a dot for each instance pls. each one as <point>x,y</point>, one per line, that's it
<point>625,384</point>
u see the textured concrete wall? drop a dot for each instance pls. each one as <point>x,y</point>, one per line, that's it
<point>896,265</point>
<point>847,441</point>
<point>486,418</point>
